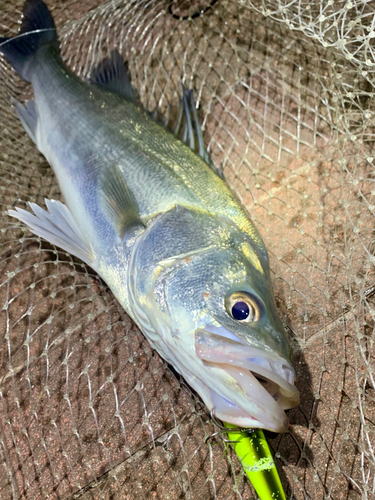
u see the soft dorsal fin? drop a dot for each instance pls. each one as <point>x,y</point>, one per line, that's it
<point>112,74</point>
<point>118,201</point>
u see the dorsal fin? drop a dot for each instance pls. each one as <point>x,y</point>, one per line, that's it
<point>112,74</point>
<point>184,124</point>
<point>117,200</point>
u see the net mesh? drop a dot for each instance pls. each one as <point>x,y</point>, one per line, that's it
<point>286,93</point>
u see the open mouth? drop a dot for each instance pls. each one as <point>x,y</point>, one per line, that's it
<point>261,379</point>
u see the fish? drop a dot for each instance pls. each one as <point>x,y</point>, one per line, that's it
<point>145,208</point>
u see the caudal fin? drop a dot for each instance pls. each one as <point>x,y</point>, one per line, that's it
<point>37,29</point>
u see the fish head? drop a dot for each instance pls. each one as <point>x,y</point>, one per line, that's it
<point>215,316</point>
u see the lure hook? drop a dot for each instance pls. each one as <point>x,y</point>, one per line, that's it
<point>224,430</point>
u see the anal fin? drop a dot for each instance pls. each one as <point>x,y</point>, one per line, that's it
<point>58,226</point>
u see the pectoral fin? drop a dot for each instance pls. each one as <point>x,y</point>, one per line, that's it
<point>117,200</point>
<point>58,226</point>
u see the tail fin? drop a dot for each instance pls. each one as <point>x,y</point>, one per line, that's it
<point>37,29</point>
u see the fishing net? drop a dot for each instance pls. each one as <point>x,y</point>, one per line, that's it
<point>286,95</point>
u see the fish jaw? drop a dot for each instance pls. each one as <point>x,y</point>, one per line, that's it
<point>262,382</point>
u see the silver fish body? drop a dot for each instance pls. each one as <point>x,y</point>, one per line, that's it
<point>166,235</point>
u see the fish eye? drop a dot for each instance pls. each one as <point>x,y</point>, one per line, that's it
<point>242,307</point>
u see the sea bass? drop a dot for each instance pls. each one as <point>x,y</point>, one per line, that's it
<point>149,213</point>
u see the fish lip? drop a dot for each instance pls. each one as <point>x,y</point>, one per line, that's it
<point>275,422</point>
<point>268,376</point>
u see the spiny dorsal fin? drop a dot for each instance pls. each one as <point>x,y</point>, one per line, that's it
<point>118,201</point>
<point>112,74</point>
<point>191,129</point>
<point>184,124</point>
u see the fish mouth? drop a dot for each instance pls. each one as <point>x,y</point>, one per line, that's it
<point>256,385</point>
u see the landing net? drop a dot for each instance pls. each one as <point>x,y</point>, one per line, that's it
<point>286,94</point>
